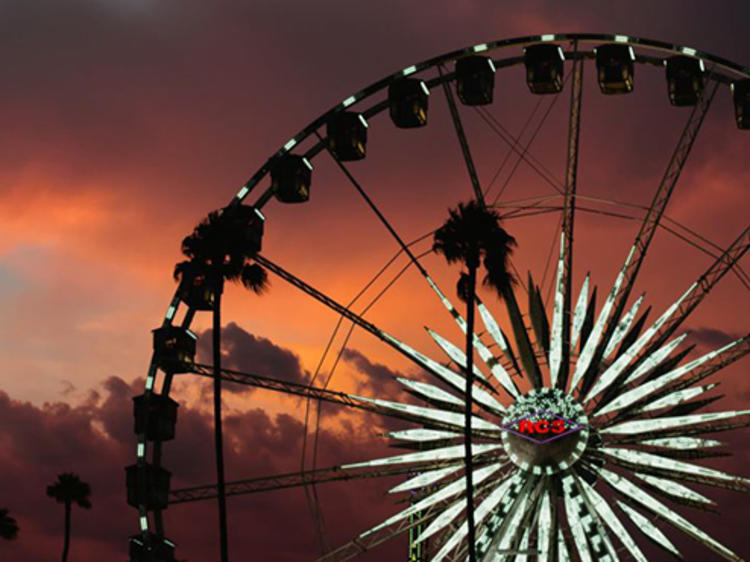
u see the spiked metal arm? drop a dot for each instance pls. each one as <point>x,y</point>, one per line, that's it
<point>571,180</point>
<point>648,227</point>
<point>319,476</point>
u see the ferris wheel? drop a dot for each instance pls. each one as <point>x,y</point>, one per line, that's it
<point>585,421</point>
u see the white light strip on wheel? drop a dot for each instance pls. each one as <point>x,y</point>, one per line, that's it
<point>629,489</point>
<point>544,527</point>
<point>674,488</point>
<point>445,453</point>
<point>424,479</point>
<point>682,443</point>
<point>430,391</point>
<point>623,326</point>
<point>656,358</point>
<point>572,511</point>
<point>558,316</point>
<point>614,370</point>
<point>458,486</point>
<point>645,426</point>
<point>655,461</point>
<point>480,514</point>
<point>677,397</point>
<point>579,314</point>
<point>433,414</point>
<point>643,390</point>
<point>647,528</point>
<point>584,360</point>
<point>608,515</point>
<point>421,434</point>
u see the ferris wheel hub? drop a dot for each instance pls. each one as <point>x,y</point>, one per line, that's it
<point>546,431</point>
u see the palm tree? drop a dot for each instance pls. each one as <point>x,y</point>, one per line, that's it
<point>473,233</point>
<point>69,489</point>
<point>219,248</point>
<point>8,526</point>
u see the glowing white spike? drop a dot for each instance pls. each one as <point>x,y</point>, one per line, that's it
<point>516,517</point>
<point>655,359</point>
<point>629,489</point>
<point>456,354</point>
<point>648,529</point>
<point>614,370</point>
<point>484,353</point>
<point>544,527</point>
<point>622,327</point>
<point>642,390</point>
<point>677,397</point>
<point>596,333</point>
<point>445,453</point>
<point>682,443</point>
<point>674,488</point>
<point>579,314</point>
<point>422,434</point>
<point>480,395</point>
<point>644,426</point>
<point>450,418</point>
<point>442,520</point>
<point>576,527</point>
<point>655,461</point>
<point>459,486</point>
<point>556,344</point>
<point>606,514</point>
<point>430,391</point>
<point>480,513</point>
<point>424,479</point>
<point>497,335</point>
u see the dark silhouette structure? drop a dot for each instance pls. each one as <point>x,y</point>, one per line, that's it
<point>69,489</point>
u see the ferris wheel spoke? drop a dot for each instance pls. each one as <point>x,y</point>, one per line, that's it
<point>303,478</point>
<point>664,192</point>
<point>625,487</point>
<point>652,461</point>
<point>465,151</point>
<point>606,514</point>
<point>560,360</point>
<point>709,363</point>
<point>651,531</point>
<point>674,489</point>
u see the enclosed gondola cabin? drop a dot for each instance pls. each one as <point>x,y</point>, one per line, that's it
<point>347,135</point>
<point>544,68</point>
<point>741,98</point>
<point>475,80</point>
<point>151,549</point>
<point>615,68</point>
<point>407,102</point>
<point>291,178</point>
<point>174,349</point>
<point>156,416</point>
<point>195,288</point>
<point>155,486</point>
<point>684,79</point>
<point>244,229</point>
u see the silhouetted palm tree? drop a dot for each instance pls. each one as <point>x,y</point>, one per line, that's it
<point>218,248</point>
<point>8,526</point>
<point>473,233</point>
<point>69,489</point>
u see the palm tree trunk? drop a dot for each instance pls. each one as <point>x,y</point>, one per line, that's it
<point>218,437</point>
<point>468,459</point>
<point>528,360</point>
<point>66,540</point>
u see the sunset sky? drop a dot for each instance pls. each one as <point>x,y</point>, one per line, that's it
<point>124,122</point>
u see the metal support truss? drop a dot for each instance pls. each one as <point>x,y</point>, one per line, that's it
<point>295,479</point>
<point>571,179</point>
<point>462,139</point>
<point>650,223</point>
<point>705,283</point>
<point>335,397</point>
